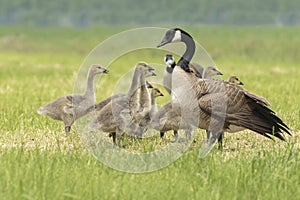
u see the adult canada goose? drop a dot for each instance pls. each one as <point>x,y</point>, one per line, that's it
<point>197,69</point>
<point>217,105</point>
<point>71,107</point>
<point>170,119</point>
<point>116,116</point>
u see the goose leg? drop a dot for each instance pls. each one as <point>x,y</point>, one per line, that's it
<point>188,135</point>
<point>68,122</point>
<point>220,141</point>
<point>67,130</point>
<point>207,135</point>
<point>220,138</point>
<point>209,144</point>
<point>175,136</point>
<point>118,137</point>
<point>113,135</point>
<point>119,133</point>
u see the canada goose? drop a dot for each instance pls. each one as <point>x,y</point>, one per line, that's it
<point>166,111</point>
<point>218,105</point>
<point>118,113</point>
<point>71,107</point>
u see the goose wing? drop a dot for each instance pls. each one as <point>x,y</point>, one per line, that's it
<point>257,98</point>
<point>72,102</point>
<point>239,108</point>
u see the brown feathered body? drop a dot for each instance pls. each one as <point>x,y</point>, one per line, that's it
<point>219,106</point>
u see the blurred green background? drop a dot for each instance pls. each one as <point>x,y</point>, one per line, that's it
<point>156,12</point>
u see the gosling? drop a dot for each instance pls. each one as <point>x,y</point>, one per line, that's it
<point>71,107</point>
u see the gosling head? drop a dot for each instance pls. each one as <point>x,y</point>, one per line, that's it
<point>235,80</point>
<point>196,69</point>
<point>169,60</point>
<point>156,92</point>
<point>145,69</point>
<point>173,35</point>
<point>211,71</point>
<point>98,69</point>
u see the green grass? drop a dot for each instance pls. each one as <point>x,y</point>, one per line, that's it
<point>38,162</point>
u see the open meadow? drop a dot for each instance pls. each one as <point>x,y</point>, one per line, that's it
<point>37,160</point>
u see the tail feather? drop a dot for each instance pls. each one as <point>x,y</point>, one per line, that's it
<point>261,119</point>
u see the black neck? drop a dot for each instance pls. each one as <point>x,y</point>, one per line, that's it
<point>173,65</point>
<point>189,52</point>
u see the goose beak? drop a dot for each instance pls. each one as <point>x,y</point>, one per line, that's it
<point>162,43</point>
<point>241,83</point>
<point>161,94</point>
<point>153,74</point>
<point>150,68</point>
<point>105,71</point>
<point>219,73</point>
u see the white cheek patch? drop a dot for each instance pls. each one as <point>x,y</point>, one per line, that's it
<point>170,62</point>
<point>177,36</point>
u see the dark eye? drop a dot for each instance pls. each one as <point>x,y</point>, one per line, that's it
<point>169,35</point>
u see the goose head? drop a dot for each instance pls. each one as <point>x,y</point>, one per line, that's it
<point>98,69</point>
<point>145,69</point>
<point>235,80</point>
<point>179,35</point>
<point>211,71</point>
<point>169,60</point>
<point>174,35</point>
<point>156,92</point>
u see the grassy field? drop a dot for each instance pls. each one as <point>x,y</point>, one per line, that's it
<point>38,162</point>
